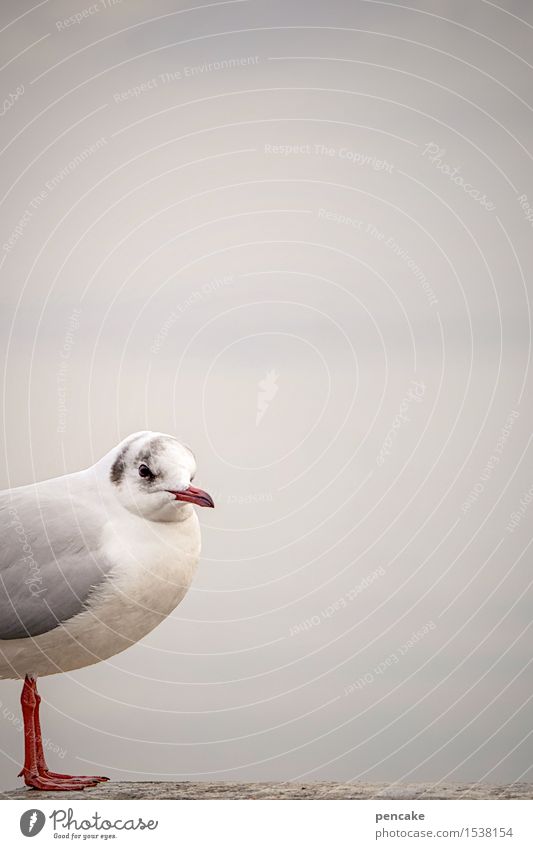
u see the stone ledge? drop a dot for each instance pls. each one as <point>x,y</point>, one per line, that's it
<point>282,790</point>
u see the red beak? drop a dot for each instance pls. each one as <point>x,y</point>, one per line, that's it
<point>194,496</point>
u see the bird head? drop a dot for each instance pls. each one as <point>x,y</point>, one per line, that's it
<point>151,474</point>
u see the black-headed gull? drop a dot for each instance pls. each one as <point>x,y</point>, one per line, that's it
<point>89,563</point>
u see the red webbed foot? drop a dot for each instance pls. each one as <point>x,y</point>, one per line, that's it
<point>43,782</point>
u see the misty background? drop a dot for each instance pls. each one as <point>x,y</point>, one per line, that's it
<point>297,236</point>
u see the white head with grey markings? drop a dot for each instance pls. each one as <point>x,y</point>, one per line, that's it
<point>151,475</point>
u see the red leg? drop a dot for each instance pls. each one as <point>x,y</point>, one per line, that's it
<point>35,770</point>
<point>41,760</point>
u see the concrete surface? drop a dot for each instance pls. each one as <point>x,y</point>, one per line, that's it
<point>282,790</point>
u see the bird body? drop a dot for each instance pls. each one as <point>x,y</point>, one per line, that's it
<point>146,576</point>
<point>91,562</point>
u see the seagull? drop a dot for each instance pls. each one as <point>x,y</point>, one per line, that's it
<point>90,563</point>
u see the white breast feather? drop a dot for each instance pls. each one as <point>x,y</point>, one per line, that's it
<point>153,566</point>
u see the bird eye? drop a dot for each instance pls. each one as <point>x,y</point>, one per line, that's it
<point>144,471</point>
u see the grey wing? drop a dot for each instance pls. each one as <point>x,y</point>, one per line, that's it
<point>50,559</point>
